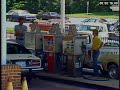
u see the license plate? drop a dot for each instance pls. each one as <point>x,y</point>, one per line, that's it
<point>21,63</point>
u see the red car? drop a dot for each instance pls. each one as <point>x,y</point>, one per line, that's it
<point>43,26</point>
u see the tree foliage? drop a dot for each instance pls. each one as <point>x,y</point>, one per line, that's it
<point>72,6</point>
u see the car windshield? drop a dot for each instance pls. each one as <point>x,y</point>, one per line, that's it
<point>24,13</point>
<point>88,27</point>
<point>92,20</point>
<point>53,14</point>
<point>17,49</point>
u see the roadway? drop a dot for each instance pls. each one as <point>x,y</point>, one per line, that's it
<point>73,20</point>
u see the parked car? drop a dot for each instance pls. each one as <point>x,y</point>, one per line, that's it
<point>101,20</point>
<point>49,15</point>
<point>14,15</point>
<point>18,54</point>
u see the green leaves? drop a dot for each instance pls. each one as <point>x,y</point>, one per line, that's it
<point>72,6</point>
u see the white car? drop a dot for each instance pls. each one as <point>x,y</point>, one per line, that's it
<point>14,15</point>
<point>18,54</point>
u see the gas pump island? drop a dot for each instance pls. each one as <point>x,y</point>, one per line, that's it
<point>59,49</point>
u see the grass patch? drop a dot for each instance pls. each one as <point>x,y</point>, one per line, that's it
<point>95,15</point>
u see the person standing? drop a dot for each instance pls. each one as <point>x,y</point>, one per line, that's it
<point>34,26</point>
<point>20,30</point>
<point>97,44</point>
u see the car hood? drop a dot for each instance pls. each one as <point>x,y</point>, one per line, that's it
<point>21,56</point>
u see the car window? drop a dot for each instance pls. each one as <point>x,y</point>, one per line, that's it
<point>91,20</point>
<point>83,27</point>
<point>24,13</point>
<point>101,29</point>
<point>15,13</point>
<point>53,14</point>
<point>86,20</point>
<point>46,13</point>
<point>10,12</point>
<point>90,28</point>
<point>17,49</point>
<point>110,44</point>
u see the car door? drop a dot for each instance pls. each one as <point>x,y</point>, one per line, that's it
<point>103,31</point>
<point>17,54</point>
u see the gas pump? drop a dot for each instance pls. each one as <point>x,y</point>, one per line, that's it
<point>33,40</point>
<point>52,45</point>
<point>73,48</point>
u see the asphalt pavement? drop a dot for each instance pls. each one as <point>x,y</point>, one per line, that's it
<point>38,84</point>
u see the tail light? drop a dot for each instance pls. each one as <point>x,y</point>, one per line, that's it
<point>35,63</point>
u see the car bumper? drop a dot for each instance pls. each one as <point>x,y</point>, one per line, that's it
<point>31,69</point>
<point>35,69</point>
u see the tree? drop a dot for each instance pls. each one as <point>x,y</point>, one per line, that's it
<point>72,6</point>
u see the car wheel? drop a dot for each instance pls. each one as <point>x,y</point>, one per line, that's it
<point>113,71</point>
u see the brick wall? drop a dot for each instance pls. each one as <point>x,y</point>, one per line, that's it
<point>12,71</point>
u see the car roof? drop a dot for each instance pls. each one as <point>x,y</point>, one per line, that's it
<point>94,24</point>
<point>18,10</point>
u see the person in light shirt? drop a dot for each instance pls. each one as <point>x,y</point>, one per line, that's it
<point>20,30</point>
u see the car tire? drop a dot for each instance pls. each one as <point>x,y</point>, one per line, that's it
<point>104,73</point>
<point>113,71</point>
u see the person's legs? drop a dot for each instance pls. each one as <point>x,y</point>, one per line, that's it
<point>95,62</point>
<point>20,41</point>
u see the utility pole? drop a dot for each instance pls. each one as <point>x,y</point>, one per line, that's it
<point>3,32</point>
<point>87,7</point>
<point>62,16</point>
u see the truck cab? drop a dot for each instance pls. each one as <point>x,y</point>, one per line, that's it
<point>109,56</point>
<point>101,27</point>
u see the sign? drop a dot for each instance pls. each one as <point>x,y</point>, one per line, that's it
<point>108,3</point>
<point>30,40</point>
<point>21,63</point>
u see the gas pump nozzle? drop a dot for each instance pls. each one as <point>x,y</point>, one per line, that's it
<point>83,48</point>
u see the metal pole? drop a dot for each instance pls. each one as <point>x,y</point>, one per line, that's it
<point>87,7</point>
<point>118,3</point>
<point>62,16</point>
<point>3,32</point>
